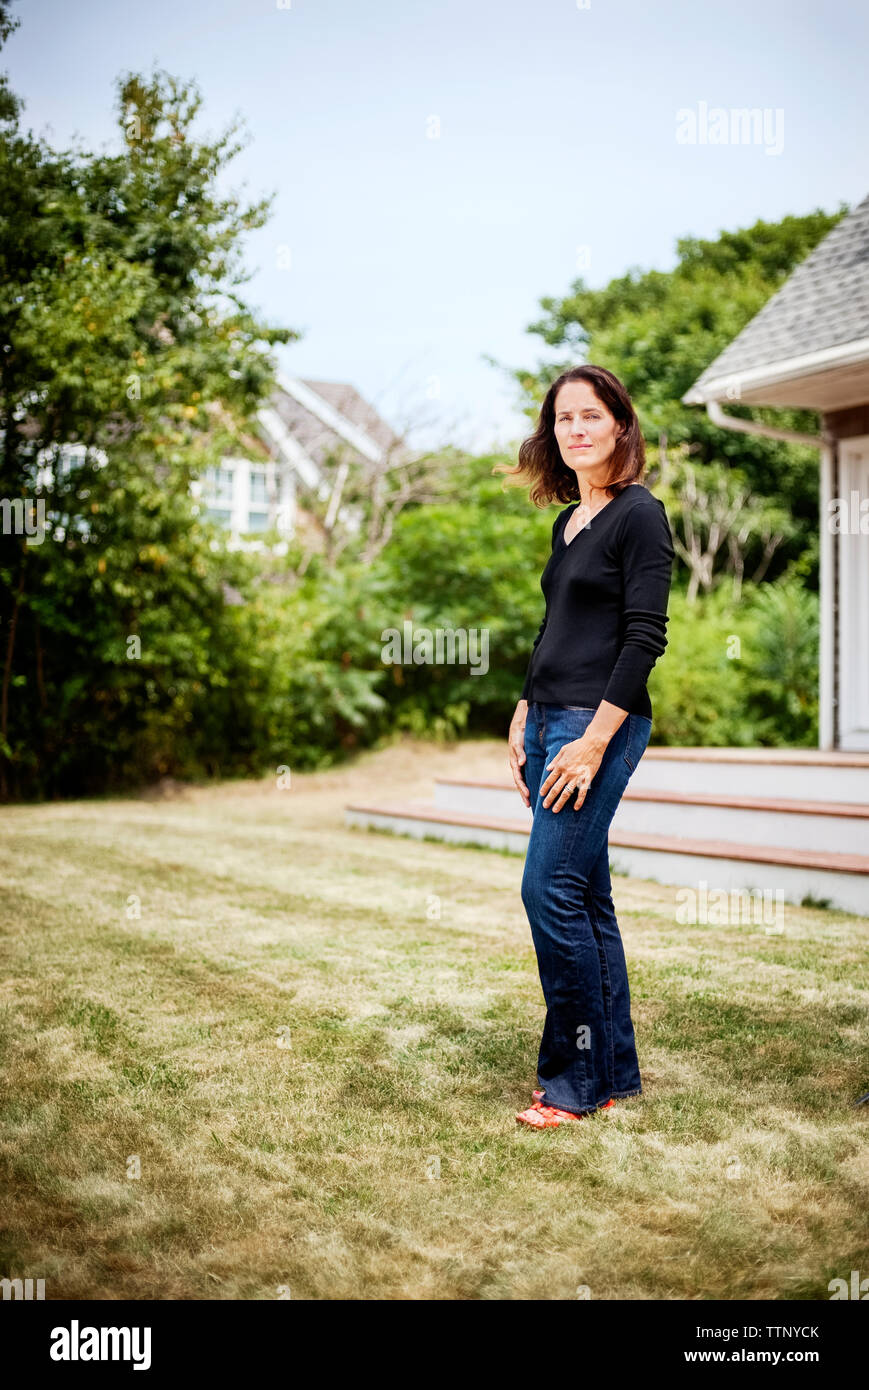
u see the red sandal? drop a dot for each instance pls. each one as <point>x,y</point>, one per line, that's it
<point>539,1116</point>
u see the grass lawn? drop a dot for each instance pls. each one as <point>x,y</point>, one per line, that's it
<point>314,1040</point>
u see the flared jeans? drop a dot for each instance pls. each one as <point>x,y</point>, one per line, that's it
<point>588,1052</point>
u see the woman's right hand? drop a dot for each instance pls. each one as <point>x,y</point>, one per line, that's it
<point>517,749</point>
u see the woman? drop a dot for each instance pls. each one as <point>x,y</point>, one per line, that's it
<point>582,725</point>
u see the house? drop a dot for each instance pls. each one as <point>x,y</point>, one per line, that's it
<point>306,439</point>
<point>808,348</point>
<point>309,434</point>
<point>756,827</point>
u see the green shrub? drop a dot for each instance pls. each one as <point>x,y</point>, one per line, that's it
<point>739,674</point>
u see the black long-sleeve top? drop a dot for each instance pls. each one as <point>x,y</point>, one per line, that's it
<point>606,607</point>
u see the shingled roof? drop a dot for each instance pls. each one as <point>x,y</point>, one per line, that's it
<point>824,304</point>
<point>325,416</point>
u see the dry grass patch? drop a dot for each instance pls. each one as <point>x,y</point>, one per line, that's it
<point>319,1080</point>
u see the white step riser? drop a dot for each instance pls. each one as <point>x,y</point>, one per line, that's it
<point>503,804</point>
<point>800,784</point>
<point>437,830</point>
<point>848,892</point>
<point>838,834</point>
<point>789,781</point>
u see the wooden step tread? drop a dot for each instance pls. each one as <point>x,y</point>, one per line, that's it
<point>800,757</point>
<point>804,757</point>
<point>855,809</point>
<point>628,839</point>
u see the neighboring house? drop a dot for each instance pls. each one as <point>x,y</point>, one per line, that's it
<point>746,830</point>
<point>309,434</point>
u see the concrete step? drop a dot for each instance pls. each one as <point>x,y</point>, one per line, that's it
<point>786,874</point>
<point>794,774</point>
<point>834,826</point>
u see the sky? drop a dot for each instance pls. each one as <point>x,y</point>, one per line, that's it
<point>439,166</point>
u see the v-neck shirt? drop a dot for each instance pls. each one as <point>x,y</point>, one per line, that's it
<point>606,595</point>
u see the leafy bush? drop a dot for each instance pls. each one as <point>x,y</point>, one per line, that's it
<point>696,688</point>
<point>739,675</point>
<point>781,682</point>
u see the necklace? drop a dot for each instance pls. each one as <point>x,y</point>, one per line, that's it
<point>582,515</point>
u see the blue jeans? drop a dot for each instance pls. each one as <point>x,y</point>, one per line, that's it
<point>588,1052</point>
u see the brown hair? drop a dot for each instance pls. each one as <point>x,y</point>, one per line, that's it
<point>540,460</point>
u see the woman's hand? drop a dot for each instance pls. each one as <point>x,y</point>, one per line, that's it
<point>573,769</point>
<point>517,749</point>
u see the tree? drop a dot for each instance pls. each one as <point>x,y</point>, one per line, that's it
<point>717,521</point>
<point>10,105</point>
<point>124,333</point>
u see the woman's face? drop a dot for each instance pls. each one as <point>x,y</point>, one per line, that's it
<point>586,431</point>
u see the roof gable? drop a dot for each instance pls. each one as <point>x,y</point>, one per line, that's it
<point>326,417</point>
<point>824,304</point>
